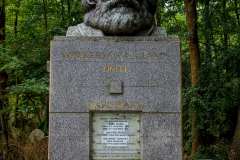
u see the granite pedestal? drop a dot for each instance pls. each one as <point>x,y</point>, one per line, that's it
<point>115,98</point>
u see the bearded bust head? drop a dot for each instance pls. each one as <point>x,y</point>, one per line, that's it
<point>116,17</point>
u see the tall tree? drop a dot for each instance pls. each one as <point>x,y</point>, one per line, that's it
<point>3,117</point>
<point>224,24</point>
<point>2,21</point>
<point>69,11</point>
<point>62,12</point>
<point>207,31</point>
<point>3,80</point>
<point>16,16</point>
<point>235,146</point>
<point>191,18</point>
<point>237,11</point>
<point>45,14</point>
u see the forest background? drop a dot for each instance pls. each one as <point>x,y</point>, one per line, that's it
<point>209,31</point>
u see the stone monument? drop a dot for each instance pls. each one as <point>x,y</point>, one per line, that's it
<point>115,86</point>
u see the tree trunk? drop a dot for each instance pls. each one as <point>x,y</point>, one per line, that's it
<point>191,18</point>
<point>46,112</point>
<point>160,8</point>
<point>69,11</point>
<point>62,11</point>
<point>208,31</point>
<point>45,15</point>
<point>235,146</point>
<point>208,38</point>
<point>3,85</point>
<point>224,24</point>
<point>16,17</point>
<point>3,115</point>
<point>237,12</point>
<point>2,21</point>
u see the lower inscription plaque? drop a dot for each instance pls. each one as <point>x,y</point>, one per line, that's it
<point>116,136</point>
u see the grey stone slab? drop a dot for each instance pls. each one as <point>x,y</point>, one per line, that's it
<point>165,157</point>
<point>79,99</point>
<point>146,74</point>
<point>114,48</point>
<point>69,136</point>
<point>83,68</point>
<point>148,63</point>
<point>161,136</point>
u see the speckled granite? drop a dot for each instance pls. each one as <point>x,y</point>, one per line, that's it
<point>81,72</point>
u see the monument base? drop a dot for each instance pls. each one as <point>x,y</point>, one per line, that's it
<point>115,98</point>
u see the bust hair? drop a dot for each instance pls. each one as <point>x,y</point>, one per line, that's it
<point>150,5</point>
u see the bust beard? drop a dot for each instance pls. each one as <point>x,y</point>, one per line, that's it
<point>119,17</point>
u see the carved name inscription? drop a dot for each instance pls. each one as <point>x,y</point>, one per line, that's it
<point>115,68</point>
<point>141,56</point>
<point>116,136</point>
<point>115,105</point>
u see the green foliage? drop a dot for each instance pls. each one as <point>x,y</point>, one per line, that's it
<point>30,25</point>
<point>31,86</point>
<point>26,51</point>
<point>217,97</point>
<point>216,152</point>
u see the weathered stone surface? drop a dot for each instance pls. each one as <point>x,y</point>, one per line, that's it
<point>135,74</point>
<point>161,136</point>
<point>153,99</point>
<point>84,67</point>
<point>69,136</point>
<point>82,70</point>
<point>115,48</point>
<point>116,87</point>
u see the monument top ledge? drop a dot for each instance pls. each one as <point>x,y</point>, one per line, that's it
<point>119,38</point>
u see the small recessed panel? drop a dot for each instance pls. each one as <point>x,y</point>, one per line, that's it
<point>116,136</point>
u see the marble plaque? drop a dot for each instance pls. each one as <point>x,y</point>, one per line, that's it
<point>116,136</point>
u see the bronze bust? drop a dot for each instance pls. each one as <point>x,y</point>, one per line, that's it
<point>117,18</point>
